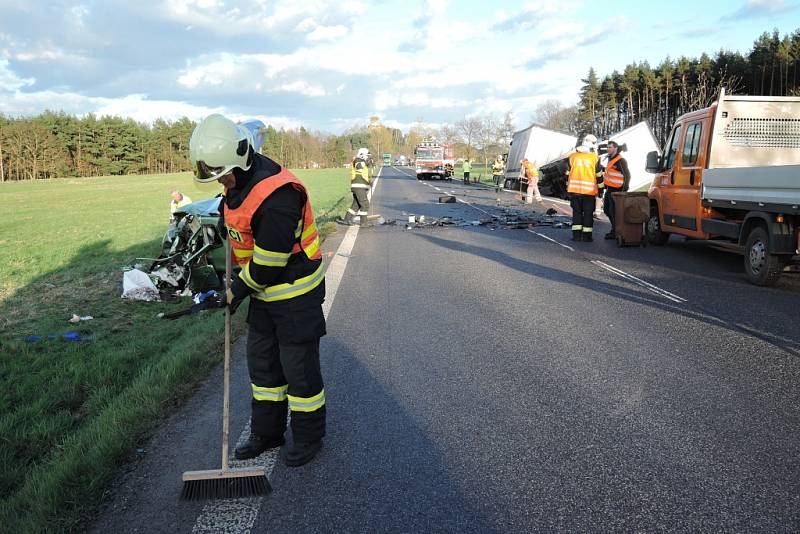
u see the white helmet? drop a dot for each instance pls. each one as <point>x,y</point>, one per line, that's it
<point>590,140</point>
<point>362,153</point>
<point>218,145</point>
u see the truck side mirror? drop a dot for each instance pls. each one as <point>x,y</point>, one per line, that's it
<point>653,163</point>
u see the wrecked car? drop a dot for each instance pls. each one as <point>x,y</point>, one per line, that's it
<point>192,252</point>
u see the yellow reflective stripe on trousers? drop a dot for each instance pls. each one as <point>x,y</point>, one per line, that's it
<point>307,404</point>
<point>299,287</point>
<point>244,274</point>
<point>270,258</point>
<point>269,394</point>
<point>587,229</point>
<point>577,226</point>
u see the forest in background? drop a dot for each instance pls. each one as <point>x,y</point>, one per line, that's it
<point>54,144</point>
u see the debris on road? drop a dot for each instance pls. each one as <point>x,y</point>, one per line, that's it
<point>447,199</point>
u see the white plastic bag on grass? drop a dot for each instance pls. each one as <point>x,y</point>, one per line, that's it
<point>136,285</point>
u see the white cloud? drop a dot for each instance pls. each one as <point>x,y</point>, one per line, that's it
<point>40,55</point>
<point>390,99</point>
<point>9,81</point>
<point>760,8</point>
<point>254,18</point>
<point>303,88</point>
<point>532,15</point>
<point>327,33</point>
<point>137,107</point>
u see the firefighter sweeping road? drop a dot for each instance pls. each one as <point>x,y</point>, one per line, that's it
<point>485,379</point>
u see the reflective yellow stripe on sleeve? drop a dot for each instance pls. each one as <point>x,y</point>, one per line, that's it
<point>307,404</point>
<point>270,258</point>
<point>242,253</point>
<point>244,274</point>
<point>312,248</point>
<point>308,231</point>
<point>277,394</point>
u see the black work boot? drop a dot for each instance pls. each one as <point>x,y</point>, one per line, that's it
<point>587,236</point>
<point>300,453</point>
<point>577,235</point>
<point>255,445</point>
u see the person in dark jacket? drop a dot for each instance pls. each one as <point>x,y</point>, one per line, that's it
<point>616,178</point>
<point>273,236</point>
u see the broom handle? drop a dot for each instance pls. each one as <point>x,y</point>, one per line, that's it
<point>227,366</point>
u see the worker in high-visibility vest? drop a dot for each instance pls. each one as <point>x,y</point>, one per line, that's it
<point>531,174</point>
<point>585,174</point>
<point>273,236</point>
<point>360,184</point>
<point>498,167</point>
<point>466,167</point>
<point>616,179</point>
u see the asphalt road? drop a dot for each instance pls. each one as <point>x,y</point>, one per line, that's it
<point>493,380</point>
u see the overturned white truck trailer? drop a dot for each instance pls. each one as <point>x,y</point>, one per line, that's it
<point>539,145</point>
<point>639,140</point>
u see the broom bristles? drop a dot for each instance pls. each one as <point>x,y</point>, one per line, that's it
<point>225,488</point>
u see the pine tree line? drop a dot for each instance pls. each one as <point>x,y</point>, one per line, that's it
<point>660,95</point>
<point>53,145</point>
<point>56,145</point>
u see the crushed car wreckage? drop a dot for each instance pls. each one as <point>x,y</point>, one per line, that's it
<point>192,255</point>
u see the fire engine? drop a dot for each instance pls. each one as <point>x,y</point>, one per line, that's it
<point>434,160</point>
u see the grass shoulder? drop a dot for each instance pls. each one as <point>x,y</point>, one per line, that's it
<point>72,411</point>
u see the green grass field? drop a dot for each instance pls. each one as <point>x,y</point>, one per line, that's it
<point>71,412</point>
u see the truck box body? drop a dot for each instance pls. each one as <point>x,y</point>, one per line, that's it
<point>539,145</point>
<point>756,186</point>
<point>640,141</point>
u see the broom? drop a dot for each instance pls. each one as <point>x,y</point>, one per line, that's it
<point>225,483</point>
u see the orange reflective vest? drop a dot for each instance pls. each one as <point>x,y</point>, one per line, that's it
<point>582,173</point>
<point>243,246</point>
<point>529,169</point>
<point>612,177</point>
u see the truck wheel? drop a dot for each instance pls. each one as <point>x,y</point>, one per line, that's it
<point>763,268</point>
<point>653,230</point>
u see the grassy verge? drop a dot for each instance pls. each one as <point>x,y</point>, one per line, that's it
<point>70,411</point>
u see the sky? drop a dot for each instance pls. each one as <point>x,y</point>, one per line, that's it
<point>330,65</point>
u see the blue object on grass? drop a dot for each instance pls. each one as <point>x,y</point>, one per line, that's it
<point>68,336</point>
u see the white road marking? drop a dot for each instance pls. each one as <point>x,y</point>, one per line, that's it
<point>553,240</point>
<point>647,285</point>
<point>337,266</point>
<point>237,516</point>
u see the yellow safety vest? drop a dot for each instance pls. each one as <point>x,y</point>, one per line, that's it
<point>582,173</point>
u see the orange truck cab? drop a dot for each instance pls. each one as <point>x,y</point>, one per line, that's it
<point>731,172</point>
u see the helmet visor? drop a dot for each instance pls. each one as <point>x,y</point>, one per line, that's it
<point>205,173</point>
